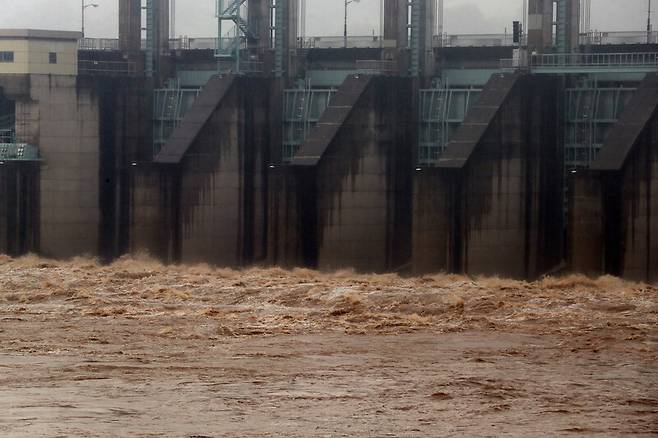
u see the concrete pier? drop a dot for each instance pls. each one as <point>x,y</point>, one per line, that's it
<point>619,196</point>
<point>492,206</point>
<point>352,180</point>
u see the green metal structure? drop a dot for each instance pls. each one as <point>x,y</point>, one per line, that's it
<point>280,8</point>
<point>169,107</point>
<point>590,112</point>
<point>442,111</point>
<point>149,66</point>
<point>302,108</point>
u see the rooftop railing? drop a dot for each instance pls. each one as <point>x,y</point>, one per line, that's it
<point>647,59</point>
<point>608,38</point>
<point>374,41</point>
<point>107,68</point>
<point>571,62</point>
<point>337,42</point>
<point>474,40</point>
<point>98,44</point>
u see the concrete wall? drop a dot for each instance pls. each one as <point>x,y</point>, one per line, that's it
<point>291,234</point>
<point>126,150</point>
<point>68,139</point>
<point>501,214</point>
<point>154,225</point>
<point>613,227</point>
<point>61,117</point>
<point>433,216</point>
<point>223,181</point>
<point>363,183</point>
<point>639,215</point>
<point>586,242</point>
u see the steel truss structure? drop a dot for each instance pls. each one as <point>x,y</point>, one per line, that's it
<point>229,45</point>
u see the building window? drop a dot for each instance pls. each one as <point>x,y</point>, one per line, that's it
<point>6,56</point>
<point>52,58</point>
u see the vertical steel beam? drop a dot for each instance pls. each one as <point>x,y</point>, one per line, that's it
<point>422,24</point>
<point>280,14</point>
<point>150,38</point>
<point>416,13</point>
<point>286,21</point>
<point>157,35</point>
<point>562,27</point>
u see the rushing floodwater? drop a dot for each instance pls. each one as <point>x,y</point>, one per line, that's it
<point>139,349</point>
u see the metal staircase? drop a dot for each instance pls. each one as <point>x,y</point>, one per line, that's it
<point>229,45</point>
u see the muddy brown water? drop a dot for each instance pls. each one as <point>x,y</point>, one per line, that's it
<point>137,349</point>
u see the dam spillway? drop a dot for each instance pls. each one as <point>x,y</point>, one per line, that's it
<point>405,152</point>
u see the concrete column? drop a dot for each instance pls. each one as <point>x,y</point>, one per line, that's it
<point>395,21</point>
<point>259,23</point>
<point>161,52</point>
<point>292,24</point>
<point>540,24</point>
<point>161,27</point>
<point>130,26</point>
<point>428,64</point>
<point>574,25</point>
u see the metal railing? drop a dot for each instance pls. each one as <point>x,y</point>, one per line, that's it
<point>186,43</point>
<point>474,40</point>
<point>591,38</point>
<point>337,42</point>
<point>608,38</point>
<point>98,44</point>
<point>183,43</point>
<point>111,68</point>
<point>645,59</point>
<point>374,41</point>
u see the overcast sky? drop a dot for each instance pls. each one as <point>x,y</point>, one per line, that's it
<point>324,17</point>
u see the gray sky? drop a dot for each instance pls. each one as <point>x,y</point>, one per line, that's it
<point>195,17</point>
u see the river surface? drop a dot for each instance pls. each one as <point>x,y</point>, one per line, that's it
<point>137,349</point>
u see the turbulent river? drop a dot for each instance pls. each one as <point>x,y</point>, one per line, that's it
<point>140,349</point>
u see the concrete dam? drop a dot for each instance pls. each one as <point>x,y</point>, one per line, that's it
<point>412,151</point>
